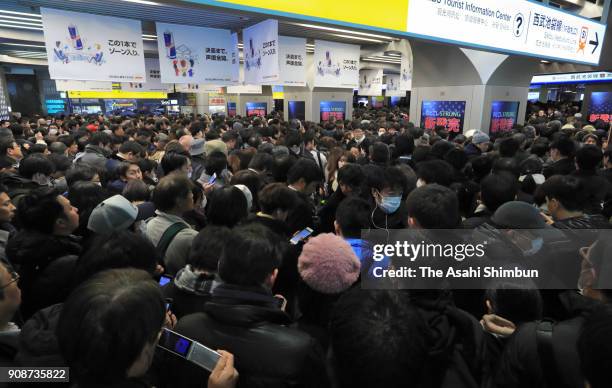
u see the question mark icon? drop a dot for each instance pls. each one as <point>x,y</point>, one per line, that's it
<point>518,25</point>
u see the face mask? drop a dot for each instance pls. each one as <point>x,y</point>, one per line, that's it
<point>536,245</point>
<point>189,174</point>
<point>390,205</point>
<point>204,202</point>
<point>420,183</point>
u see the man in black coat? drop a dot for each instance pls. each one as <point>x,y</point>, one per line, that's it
<point>562,157</point>
<point>245,318</point>
<point>44,253</point>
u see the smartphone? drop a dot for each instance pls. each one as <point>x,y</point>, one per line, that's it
<point>300,236</point>
<point>188,349</point>
<point>212,179</point>
<point>168,303</point>
<point>164,279</point>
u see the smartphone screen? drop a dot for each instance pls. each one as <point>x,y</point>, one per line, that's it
<point>175,343</point>
<point>164,279</point>
<point>301,235</point>
<point>212,179</point>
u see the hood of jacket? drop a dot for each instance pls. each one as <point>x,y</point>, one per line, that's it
<point>38,249</point>
<point>37,342</point>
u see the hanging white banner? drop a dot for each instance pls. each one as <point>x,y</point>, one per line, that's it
<point>66,85</point>
<point>235,60</point>
<point>370,82</point>
<point>190,54</point>
<point>93,47</point>
<point>406,73</point>
<point>336,65</point>
<point>393,86</point>
<point>292,61</point>
<point>153,82</point>
<point>197,88</point>
<point>261,53</point>
<point>244,89</point>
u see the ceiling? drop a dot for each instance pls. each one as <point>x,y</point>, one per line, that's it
<point>24,16</point>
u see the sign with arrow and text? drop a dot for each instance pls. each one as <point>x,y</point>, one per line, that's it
<point>519,27</point>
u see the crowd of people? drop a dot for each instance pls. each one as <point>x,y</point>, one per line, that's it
<point>246,234</point>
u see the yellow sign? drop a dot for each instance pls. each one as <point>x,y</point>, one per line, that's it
<point>278,95</point>
<point>390,14</point>
<point>116,94</point>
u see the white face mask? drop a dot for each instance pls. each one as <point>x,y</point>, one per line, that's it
<point>420,183</point>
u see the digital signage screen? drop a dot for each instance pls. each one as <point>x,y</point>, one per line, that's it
<point>297,110</point>
<point>504,115</point>
<point>600,107</point>
<point>231,109</point>
<point>256,109</point>
<point>332,109</point>
<point>448,114</point>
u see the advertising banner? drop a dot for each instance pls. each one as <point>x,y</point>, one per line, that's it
<point>65,85</point>
<point>152,82</point>
<point>511,26</point>
<point>198,88</point>
<point>336,65</point>
<point>406,73</point>
<point>370,82</point>
<point>332,110</point>
<point>189,54</point>
<point>292,61</point>
<point>93,47</point>
<point>503,116</point>
<point>256,109</point>
<point>297,110</point>
<point>449,114</point>
<point>244,89</point>
<point>215,99</point>
<point>261,53</point>
<point>235,60</point>
<point>600,107</point>
<point>393,86</point>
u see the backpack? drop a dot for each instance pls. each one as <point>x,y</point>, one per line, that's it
<point>167,238</point>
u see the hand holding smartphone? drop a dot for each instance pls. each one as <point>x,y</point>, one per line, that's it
<point>188,349</point>
<point>300,236</point>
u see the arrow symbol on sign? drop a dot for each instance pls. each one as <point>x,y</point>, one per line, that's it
<point>595,42</point>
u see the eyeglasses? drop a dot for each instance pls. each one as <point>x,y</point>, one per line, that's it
<point>14,278</point>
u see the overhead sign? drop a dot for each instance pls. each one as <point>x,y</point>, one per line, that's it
<point>81,46</point>
<point>116,94</point>
<point>509,25</point>
<point>370,82</point>
<point>572,78</point>
<point>336,65</point>
<point>292,61</point>
<point>189,54</point>
<point>260,49</point>
<point>513,26</point>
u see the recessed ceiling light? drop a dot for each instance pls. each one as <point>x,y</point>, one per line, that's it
<point>20,23</point>
<point>20,18</point>
<point>325,28</point>
<point>543,61</point>
<point>20,13</point>
<point>22,27</point>
<point>359,38</point>
<point>21,45</point>
<point>145,2</point>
